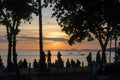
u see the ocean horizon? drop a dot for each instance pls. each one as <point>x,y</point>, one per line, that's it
<point>30,55</point>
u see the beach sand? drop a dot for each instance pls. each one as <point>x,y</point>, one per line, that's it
<point>34,74</point>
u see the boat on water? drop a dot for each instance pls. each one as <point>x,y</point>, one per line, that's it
<point>82,54</point>
<point>70,53</point>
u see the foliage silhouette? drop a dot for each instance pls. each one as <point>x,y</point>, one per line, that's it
<point>12,14</point>
<point>87,20</point>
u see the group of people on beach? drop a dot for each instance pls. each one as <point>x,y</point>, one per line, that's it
<point>58,62</point>
<point>94,64</point>
<point>36,64</point>
<point>97,61</point>
<point>23,64</point>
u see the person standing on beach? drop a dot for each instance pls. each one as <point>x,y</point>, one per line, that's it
<point>59,56</point>
<point>68,64</point>
<point>35,64</point>
<point>1,64</point>
<point>49,58</point>
<point>78,63</point>
<point>0,59</point>
<point>43,61</point>
<point>60,61</point>
<point>25,64</point>
<point>98,58</point>
<point>89,59</point>
<point>20,64</point>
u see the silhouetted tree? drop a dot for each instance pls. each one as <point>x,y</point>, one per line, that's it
<point>12,14</point>
<point>87,19</point>
<point>3,20</point>
<point>40,32</point>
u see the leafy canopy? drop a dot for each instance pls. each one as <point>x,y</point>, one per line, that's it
<point>17,10</point>
<point>87,19</point>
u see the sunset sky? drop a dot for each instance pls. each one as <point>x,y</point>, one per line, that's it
<point>53,37</point>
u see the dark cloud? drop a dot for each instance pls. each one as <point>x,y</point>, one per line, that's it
<point>3,40</point>
<point>56,39</point>
<point>26,38</point>
<point>49,23</point>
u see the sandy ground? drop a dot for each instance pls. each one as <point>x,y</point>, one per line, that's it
<point>62,74</point>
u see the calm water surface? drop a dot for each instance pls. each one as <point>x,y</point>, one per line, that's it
<point>31,55</point>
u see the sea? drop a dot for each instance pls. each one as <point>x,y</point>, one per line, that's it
<point>72,54</point>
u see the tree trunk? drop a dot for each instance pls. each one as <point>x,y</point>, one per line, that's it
<point>40,35</point>
<point>104,56</point>
<point>103,45</point>
<point>9,62</point>
<point>15,55</point>
<point>9,38</point>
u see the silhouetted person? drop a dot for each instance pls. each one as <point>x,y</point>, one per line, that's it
<point>68,63</point>
<point>43,61</point>
<point>0,59</point>
<point>1,64</point>
<point>35,64</point>
<point>78,63</point>
<point>59,55</point>
<point>89,59</point>
<point>98,58</point>
<point>49,58</point>
<point>57,65</point>
<point>20,64</point>
<point>60,61</point>
<point>25,64</point>
<point>72,63</point>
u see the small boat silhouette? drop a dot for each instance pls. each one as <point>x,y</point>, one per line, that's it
<point>82,54</point>
<point>70,53</point>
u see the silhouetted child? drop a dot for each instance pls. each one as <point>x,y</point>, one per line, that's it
<point>20,64</point>
<point>68,64</point>
<point>78,63</point>
<point>25,64</point>
<point>35,64</point>
<point>72,63</point>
